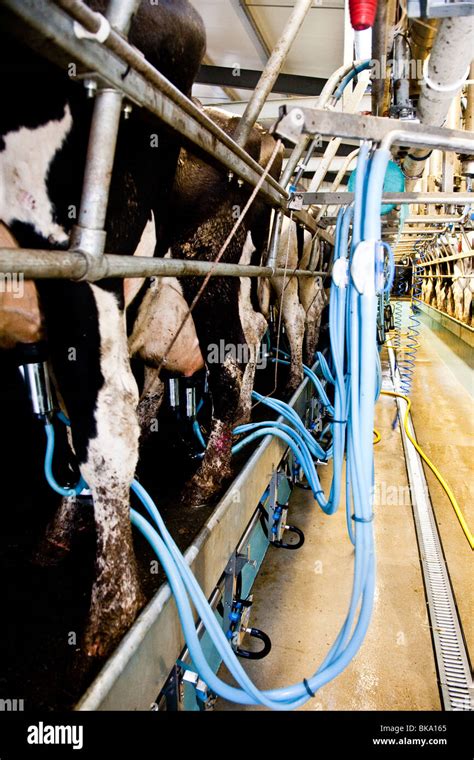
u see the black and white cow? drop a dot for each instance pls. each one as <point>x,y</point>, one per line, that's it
<point>44,128</point>
<point>204,209</point>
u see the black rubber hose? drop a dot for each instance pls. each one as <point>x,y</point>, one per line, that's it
<point>256,633</point>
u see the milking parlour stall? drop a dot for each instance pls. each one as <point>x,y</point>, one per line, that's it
<point>236,375</point>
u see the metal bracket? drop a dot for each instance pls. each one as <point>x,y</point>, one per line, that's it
<point>170,698</point>
<point>234,567</point>
<point>293,122</point>
<point>295,202</point>
<point>206,698</point>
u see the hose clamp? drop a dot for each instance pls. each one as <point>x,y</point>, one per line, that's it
<point>340,272</point>
<point>100,35</point>
<point>363,267</point>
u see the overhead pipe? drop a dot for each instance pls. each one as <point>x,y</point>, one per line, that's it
<point>421,34</point>
<point>402,107</point>
<point>444,75</point>
<point>271,71</point>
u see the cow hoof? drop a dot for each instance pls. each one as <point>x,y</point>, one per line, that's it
<point>198,492</point>
<point>194,498</point>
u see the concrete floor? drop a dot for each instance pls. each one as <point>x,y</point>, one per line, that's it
<point>301,597</point>
<point>443,416</point>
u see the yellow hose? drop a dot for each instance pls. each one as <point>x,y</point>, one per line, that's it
<point>432,467</point>
<point>377,435</point>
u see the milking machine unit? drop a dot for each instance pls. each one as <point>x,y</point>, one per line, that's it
<point>32,359</point>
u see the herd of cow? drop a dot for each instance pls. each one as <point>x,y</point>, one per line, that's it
<point>449,285</point>
<point>167,200</point>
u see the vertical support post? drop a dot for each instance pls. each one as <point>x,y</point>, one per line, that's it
<point>271,71</point>
<point>89,235</point>
<point>275,238</point>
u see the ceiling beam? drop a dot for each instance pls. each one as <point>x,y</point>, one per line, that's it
<point>247,79</point>
<point>229,91</point>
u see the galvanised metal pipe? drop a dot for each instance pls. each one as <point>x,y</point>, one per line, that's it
<point>143,85</point>
<point>382,36</point>
<point>76,265</point>
<point>89,235</point>
<point>271,71</point>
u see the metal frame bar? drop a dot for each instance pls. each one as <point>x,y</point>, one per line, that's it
<point>445,276</point>
<point>314,121</point>
<point>271,70</point>
<point>344,198</point>
<point>76,265</point>
<point>445,259</point>
<point>144,86</point>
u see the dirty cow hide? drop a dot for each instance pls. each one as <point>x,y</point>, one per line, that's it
<point>43,138</point>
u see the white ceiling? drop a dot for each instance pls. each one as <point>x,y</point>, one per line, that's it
<point>317,50</point>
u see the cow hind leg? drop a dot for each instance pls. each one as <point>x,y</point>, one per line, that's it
<point>225,384</point>
<point>92,370</point>
<point>55,545</point>
<point>109,469</point>
<point>254,326</point>
<point>150,401</point>
<point>294,319</point>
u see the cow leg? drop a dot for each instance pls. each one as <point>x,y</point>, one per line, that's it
<point>221,338</point>
<point>225,386</point>
<point>254,326</point>
<point>294,319</point>
<point>458,301</point>
<point>292,312</point>
<point>313,324</point>
<point>109,469</point>
<point>466,308</point>
<point>150,401</point>
<point>92,369</point>
<point>71,518</point>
